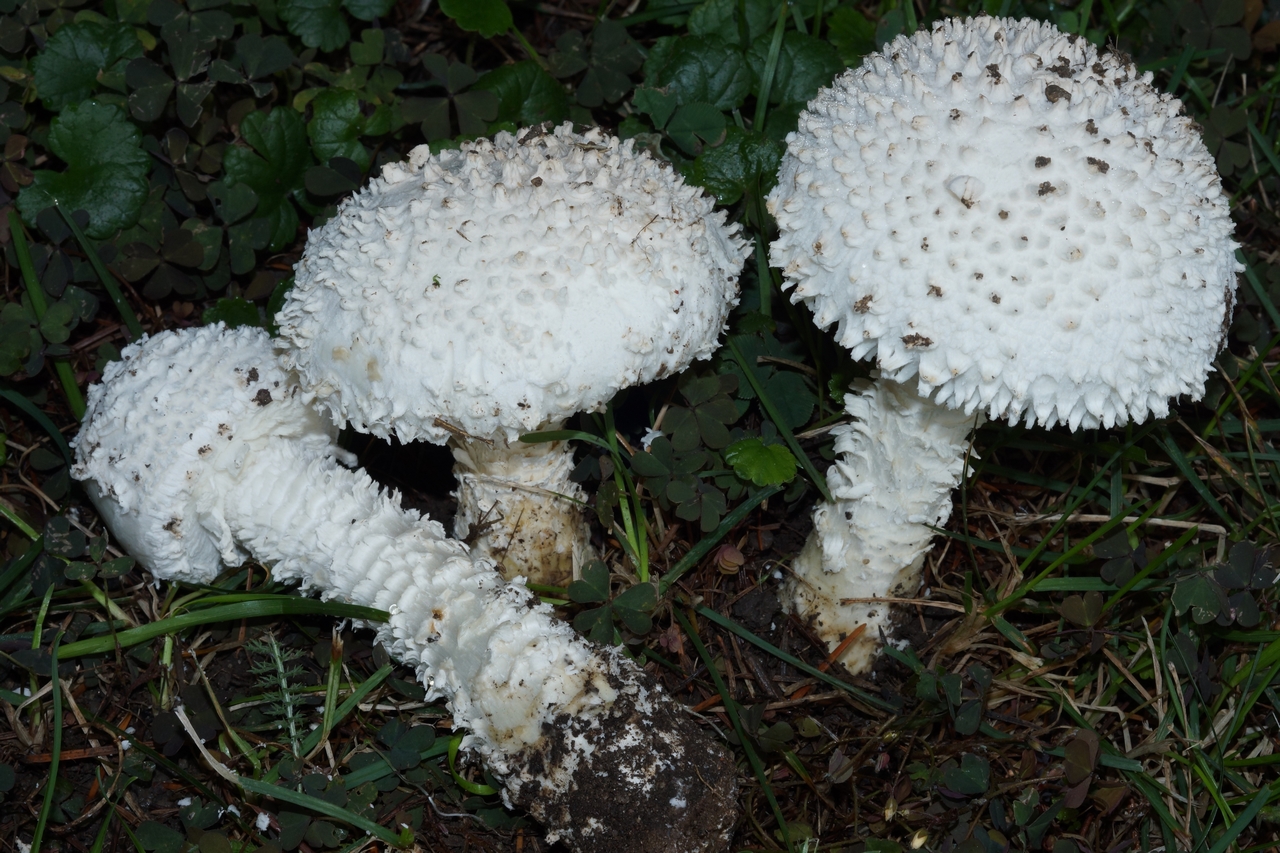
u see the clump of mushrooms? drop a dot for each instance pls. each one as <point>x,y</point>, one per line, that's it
<point>478,294</point>
<point>1011,224</point>
<point>199,450</point>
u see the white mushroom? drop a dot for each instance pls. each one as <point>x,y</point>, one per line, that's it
<point>198,449</point>
<point>478,294</point>
<point>1009,223</point>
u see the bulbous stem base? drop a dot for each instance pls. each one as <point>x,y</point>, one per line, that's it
<point>517,506</point>
<point>898,463</point>
<point>580,737</point>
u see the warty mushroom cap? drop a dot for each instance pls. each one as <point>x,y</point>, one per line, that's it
<point>157,489</point>
<point>508,284</point>
<point>1025,224</point>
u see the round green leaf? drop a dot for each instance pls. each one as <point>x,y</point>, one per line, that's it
<point>106,174</point>
<point>763,465</point>
<point>274,169</point>
<point>745,161</point>
<point>526,94</point>
<point>368,10</point>
<point>67,70</point>
<point>699,69</point>
<point>336,126</point>
<point>319,23</point>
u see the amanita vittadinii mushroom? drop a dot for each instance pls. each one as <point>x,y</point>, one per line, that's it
<point>481,293</point>
<point>1010,223</point>
<point>198,448</point>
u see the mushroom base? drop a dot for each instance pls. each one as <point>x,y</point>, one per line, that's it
<point>643,778</point>
<point>898,463</point>
<point>517,506</point>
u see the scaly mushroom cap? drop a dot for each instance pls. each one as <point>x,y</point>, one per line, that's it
<point>1027,225</point>
<point>148,488</point>
<point>507,284</point>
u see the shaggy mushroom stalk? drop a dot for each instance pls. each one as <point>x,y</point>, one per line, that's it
<point>474,295</point>
<point>199,451</point>
<point>1008,222</point>
<point>517,505</point>
<point>897,464</point>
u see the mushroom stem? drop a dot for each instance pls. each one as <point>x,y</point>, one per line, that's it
<point>197,448</point>
<point>899,461</point>
<point>517,506</point>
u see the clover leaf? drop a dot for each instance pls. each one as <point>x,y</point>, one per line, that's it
<point>18,337</point>
<point>633,607</point>
<point>609,63</point>
<point>149,88</point>
<point>336,126</point>
<point>69,68</point>
<point>970,778</point>
<point>696,125</point>
<point>475,106</point>
<point>106,174</point>
<point>788,390</point>
<point>274,168</point>
<point>762,464</point>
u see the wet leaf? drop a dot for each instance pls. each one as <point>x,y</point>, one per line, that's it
<point>699,70</point>
<point>67,70</point>
<point>106,173</point>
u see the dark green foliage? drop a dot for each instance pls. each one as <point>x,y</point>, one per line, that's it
<point>273,169</point>
<point>633,607</point>
<point>526,95</point>
<point>486,17</point>
<point>105,172</point>
<point>79,58</point>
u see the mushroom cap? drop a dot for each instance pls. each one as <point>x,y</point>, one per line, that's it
<point>175,407</point>
<point>1025,224</point>
<point>507,284</point>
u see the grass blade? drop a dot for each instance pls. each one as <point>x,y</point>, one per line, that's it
<point>42,419</point>
<point>108,282</point>
<point>731,710</point>
<point>312,740</point>
<point>730,625</point>
<point>295,798</point>
<point>281,606</point>
<point>47,807</point>
<point>66,376</point>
